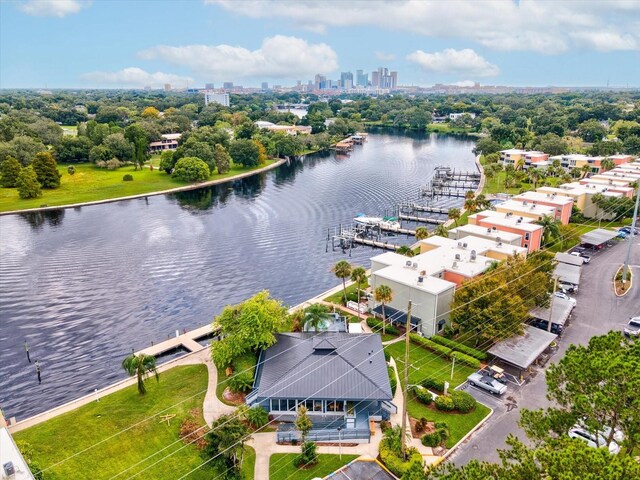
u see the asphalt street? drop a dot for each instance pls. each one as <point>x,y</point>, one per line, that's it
<point>597,312</point>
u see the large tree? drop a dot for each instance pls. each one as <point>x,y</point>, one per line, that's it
<point>137,135</point>
<point>316,316</point>
<point>27,183</point>
<point>342,270</point>
<point>119,146</point>
<point>222,159</point>
<point>9,172</point>
<point>191,169</point>
<point>225,445</point>
<point>46,170</point>
<point>73,149</point>
<point>141,366</point>
<point>383,295</point>
<point>245,152</point>
<point>248,326</point>
<point>551,229</point>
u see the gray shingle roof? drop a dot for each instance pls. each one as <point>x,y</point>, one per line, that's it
<point>328,365</point>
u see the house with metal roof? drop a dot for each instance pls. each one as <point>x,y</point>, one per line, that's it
<point>341,379</point>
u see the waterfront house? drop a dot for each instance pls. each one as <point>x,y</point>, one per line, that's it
<point>341,379</point>
<point>168,141</point>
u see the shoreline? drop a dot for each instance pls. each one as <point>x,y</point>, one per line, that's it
<point>185,188</point>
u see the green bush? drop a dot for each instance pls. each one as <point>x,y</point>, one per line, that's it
<point>433,384</point>
<point>429,345</point>
<point>127,178</point>
<point>462,401</point>
<point>257,416</point>
<point>445,403</point>
<point>423,395</point>
<point>376,326</point>
<point>385,425</point>
<point>466,359</point>
<point>308,457</point>
<point>241,382</point>
<point>436,438</point>
<point>191,169</point>
<point>452,344</point>
<point>392,380</point>
<point>394,462</point>
<point>71,170</point>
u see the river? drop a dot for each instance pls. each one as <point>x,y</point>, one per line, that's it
<point>85,286</point>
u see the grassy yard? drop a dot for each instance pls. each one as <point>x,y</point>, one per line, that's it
<point>338,297</point>
<point>248,463</point>
<point>281,466</point>
<point>90,183</point>
<point>246,362</point>
<point>180,390</point>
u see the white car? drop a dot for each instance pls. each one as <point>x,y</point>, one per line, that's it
<point>585,258</point>
<point>568,287</point>
<point>563,295</point>
<point>593,440</point>
<point>486,382</point>
<point>632,329</point>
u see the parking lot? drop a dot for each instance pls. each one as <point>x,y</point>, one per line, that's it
<point>598,311</point>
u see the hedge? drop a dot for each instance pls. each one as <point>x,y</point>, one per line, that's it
<point>466,359</point>
<point>423,395</point>
<point>445,403</point>
<point>429,345</point>
<point>435,439</point>
<point>392,380</point>
<point>376,326</point>
<point>462,401</point>
<point>453,345</point>
<point>395,463</point>
<point>433,384</point>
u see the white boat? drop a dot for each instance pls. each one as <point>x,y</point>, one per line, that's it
<point>388,223</point>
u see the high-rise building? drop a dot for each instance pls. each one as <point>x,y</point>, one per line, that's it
<point>219,98</point>
<point>394,79</point>
<point>167,87</point>
<point>362,79</point>
<point>265,85</point>
<point>320,82</point>
<point>227,85</point>
<point>346,80</point>
<point>209,86</point>
<point>375,79</point>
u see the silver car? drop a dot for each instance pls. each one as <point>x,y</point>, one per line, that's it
<point>593,440</point>
<point>486,382</point>
<point>632,329</point>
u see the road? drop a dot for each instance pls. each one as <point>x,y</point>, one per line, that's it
<point>598,311</point>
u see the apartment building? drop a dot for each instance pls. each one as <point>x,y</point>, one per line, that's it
<point>530,232</point>
<point>524,158</point>
<point>562,205</point>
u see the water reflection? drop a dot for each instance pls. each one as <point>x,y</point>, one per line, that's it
<point>37,219</point>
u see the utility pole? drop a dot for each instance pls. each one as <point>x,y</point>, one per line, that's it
<point>553,296</point>
<point>631,235</point>
<point>405,390</point>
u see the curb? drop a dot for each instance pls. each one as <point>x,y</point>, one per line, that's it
<point>469,433</point>
<point>194,186</point>
<point>630,283</point>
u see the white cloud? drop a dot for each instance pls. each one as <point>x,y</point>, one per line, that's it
<point>136,77</point>
<point>543,26</point>
<point>52,8</point>
<point>464,83</point>
<point>385,57</point>
<point>277,57</point>
<point>454,62</point>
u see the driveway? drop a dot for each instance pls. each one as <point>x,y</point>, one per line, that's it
<point>598,311</point>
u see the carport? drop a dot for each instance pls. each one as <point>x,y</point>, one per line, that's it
<point>598,237</point>
<point>560,312</point>
<point>523,350</point>
<point>569,259</point>
<point>567,273</point>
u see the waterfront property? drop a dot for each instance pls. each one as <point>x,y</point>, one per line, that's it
<point>169,141</point>
<point>430,278</point>
<point>530,232</point>
<point>340,378</point>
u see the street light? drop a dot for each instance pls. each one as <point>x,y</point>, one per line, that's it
<point>340,441</point>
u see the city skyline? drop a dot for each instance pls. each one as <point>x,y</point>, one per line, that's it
<point>73,43</point>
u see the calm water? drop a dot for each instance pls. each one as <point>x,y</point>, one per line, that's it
<point>85,286</point>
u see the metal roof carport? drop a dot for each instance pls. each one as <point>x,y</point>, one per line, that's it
<point>569,259</point>
<point>568,273</point>
<point>522,350</point>
<point>395,315</point>
<point>597,236</point>
<point>561,311</point>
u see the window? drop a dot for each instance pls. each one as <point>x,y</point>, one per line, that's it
<point>309,405</point>
<point>335,406</point>
<point>526,245</point>
<point>292,405</point>
<point>317,406</point>
<point>527,236</point>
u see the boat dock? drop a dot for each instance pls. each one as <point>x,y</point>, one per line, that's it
<point>416,207</point>
<point>187,341</point>
<point>412,218</point>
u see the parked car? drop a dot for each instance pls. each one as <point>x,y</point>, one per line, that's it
<point>544,325</point>
<point>622,235</point>
<point>632,329</point>
<point>483,380</point>
<point>566,297</point>
<point>582,255</point>
<point>627,230</point>
<point>593,440</point>
<point>578,250</point>
<point>567,287</point>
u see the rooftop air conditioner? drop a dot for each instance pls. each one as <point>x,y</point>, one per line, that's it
<point>524,203</point>
<point>488,230</point>
<point>459,244</point>
<point>414,266</point>
<point>408,263</point>
<point>420,279</point>
<point>499,244</point>
<point>457,256</point>
<point>473,256</point>
<point>455,265</point>
<point>494,228</point>
<point>519,220</point>
<point>464,245</point>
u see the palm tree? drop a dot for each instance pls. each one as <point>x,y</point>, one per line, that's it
<point>534,175</point>
<point>586,169</point>
<point>383,294</point>
<point>142,366</point>
<point>405,250</point>
<point>315,317</point>
<point>342,270</point>
<point>607,164</point>
<point>359,276</point>
<point>441,231</point>
<point>520,164</point>
<point>470,205</point>
<point>469,195</point>
<point>422,233</point>
<point>551,229</point>
<point>482,202</point>
<point>454,214</point>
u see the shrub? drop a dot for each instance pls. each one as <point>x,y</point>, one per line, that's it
<point>429,345</point>
<point>308,456</point>
<point>445,403</point>
<point>433,384</point>
<point>27,183</point>
<point>387,355</point>
<point>436,438</point>
<point>421,424</point>
<point>127,178</point>
<point>71,170</point>
<point>393,461</point>
<point>385,425</point>
<point>392,380</point>
<point>466,359</point>
<point>462,401</point>
<point>376,326</point>
<point>241,382</point>
<point>257,416</point>
<point>191,169</point>
<point>423,395</point>
<point>452,344</point>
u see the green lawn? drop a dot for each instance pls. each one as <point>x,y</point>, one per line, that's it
<point>246,362</point>
<point>338,297</point>
<point>248,463</point>
<point>281,466</point>
<point>90,183</point>
<point>180,390</point>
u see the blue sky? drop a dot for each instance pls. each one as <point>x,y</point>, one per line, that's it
<point>108,44</point>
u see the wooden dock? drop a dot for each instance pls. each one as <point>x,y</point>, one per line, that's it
<point>187,341</point>
<point>423,208</point>
<point>411,218</point>
<point>405,231</point>
<point>377,244</point>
